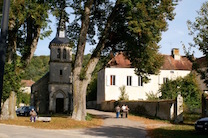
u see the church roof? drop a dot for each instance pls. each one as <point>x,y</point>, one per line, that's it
<point>59,40</point>
<point>120,61</point>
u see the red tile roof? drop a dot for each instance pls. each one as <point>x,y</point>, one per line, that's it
<point>120,61</point>
<point>171,64</point>
<point>27,83</point>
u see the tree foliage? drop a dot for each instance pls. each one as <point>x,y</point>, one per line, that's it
<point>28,21</point>
<point>134,26</point>
<point>11,81</point>
<point>38,67</point>
<point>23,98</point>
<point>188,88</point>
<point>199,31</point>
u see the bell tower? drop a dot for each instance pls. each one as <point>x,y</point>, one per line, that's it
<point>60,70</point>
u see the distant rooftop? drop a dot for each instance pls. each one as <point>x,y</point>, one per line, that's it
<point>27,83</point>
<point>120,61</point>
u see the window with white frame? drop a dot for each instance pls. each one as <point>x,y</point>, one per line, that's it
<point>140,81</point>
<point>112,80</point>
<point>129,80</point>
<point>165,80</point>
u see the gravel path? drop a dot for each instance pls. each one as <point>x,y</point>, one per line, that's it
<point>112,128</point>
<point>117,127</point>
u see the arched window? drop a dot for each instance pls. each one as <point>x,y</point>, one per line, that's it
<point>59,53</point>
<point>64,54</point>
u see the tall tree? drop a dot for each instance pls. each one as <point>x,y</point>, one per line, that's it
<point>131,25</point>
<point>199,31</point>
<point>27,18</point>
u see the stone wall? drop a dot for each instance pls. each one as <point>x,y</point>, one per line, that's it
<point>40,95</point>
<point>163,109</point>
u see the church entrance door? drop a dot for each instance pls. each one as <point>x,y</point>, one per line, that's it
<point>59,105</point>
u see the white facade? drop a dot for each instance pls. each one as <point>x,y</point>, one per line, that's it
<point>26,90</point>
<point>108,91</point>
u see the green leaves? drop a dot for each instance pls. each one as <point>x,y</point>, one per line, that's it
<point>199,31</point>
<point>37,68</point>
<point>188,88</point>
<point>11,81</point>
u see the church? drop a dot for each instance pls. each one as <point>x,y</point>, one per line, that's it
<point>53,92</point>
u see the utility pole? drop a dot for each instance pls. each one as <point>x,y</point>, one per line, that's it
<point>3,43</point>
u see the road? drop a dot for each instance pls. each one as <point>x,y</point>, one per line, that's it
<point>112,128</point>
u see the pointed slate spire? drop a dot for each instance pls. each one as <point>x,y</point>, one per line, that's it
<point>61,30</point>
<point>61,37</point>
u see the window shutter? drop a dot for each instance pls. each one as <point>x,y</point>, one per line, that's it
<point>125,80</point>
<point>135,81</point>
<point>108,80</point>
<point>117,80</point>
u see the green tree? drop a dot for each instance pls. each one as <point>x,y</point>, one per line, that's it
<point>199,31</point>
<point>23,98</point>
<point>36,69</point>
<point>188,88</point>
<point>26,19</point>
<point>134,26</point>
<point>11,81</point>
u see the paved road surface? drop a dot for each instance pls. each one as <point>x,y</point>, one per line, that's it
<point>112,128</point>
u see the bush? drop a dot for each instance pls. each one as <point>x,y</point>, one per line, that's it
<point>188,88</point>
<point>151,96</point>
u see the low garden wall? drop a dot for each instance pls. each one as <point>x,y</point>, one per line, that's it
<point>163,109</point>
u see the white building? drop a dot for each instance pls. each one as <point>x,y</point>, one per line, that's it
<point>26,86</point>
<point>118,73</point>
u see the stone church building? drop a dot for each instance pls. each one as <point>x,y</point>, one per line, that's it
<point>53,92</point>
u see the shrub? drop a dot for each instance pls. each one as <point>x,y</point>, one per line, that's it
<point>123,95</point>
<point>152,96</point>
<point>188,88</point>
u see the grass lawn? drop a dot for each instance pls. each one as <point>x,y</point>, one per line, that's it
<point>184,130</point>
<point>57,122</point>
<point>176,131</point>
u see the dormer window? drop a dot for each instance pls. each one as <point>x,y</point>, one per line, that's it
<point>59,53</point>
<point>64,54</point>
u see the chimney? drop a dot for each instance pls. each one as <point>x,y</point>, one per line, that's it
<point>176,54</point>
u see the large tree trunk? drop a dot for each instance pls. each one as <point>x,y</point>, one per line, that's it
<point>8,108</point>
<point>79,92</point>
<point>80,86</point>
<point>12,41</point>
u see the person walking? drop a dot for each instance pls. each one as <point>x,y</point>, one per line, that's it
<point>123,108</point>
<point>117,111</point>
<point>127,111</point>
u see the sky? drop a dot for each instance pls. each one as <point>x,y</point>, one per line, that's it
<point>174,37</point>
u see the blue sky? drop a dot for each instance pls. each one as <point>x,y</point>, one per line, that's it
<point>174,37</point>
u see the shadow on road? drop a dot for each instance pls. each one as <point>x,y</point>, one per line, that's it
<point>117,131</point>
